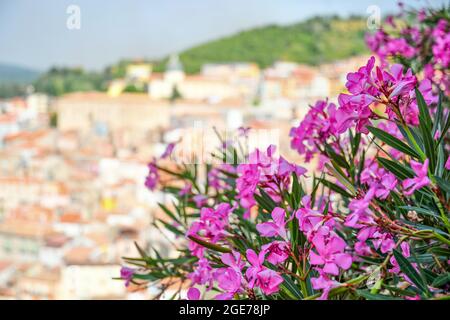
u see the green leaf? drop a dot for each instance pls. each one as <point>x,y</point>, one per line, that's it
<point>443,184</point>
<point>297,191</point>
<point>424,114</point>
<point>338,159</point>
<point>149,276</point>
<point>399,170</point>
<point>168,212</point>
<point>371,296</point>
<point>212,246</point>
<point>291,287</point>
<point>171,227</point>
<point>355,144</point>
<point>393,142</point>
<point>441,280</point>
<point>336,188</point>
<point>426,128</point>
<point>265,201</point>
<point>445,129</point>
<point>441,251</point>
<point>343,180</point>
<point>438,115</point>
<point>407,268</point>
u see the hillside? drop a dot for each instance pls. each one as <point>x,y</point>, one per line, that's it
<point>17,74</point>
<point>314,41</point>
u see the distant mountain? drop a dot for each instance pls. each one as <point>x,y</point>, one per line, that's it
<point>16,74</point>
<point>314,41</point>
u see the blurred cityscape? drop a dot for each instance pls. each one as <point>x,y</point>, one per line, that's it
<point>72,168</point>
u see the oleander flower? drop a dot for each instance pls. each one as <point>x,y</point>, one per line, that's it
<point>276,252</point>
<point>152,178</point>
<point>127,274</point>
<point>193,294</point>
<point>329,253</point>
<point>276,227</point>
<point>260,276</point>
<point>266,171</point>
<point>360,211</point>
<point>421,180</point>
<point>316,128</point>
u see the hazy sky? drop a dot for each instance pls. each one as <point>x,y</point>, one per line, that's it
<point>33,33</point>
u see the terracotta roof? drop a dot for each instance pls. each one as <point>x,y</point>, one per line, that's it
<point>71,217</point>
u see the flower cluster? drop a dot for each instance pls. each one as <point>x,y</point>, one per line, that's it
<point>210,227</point>
<point>266,171</point>
<point>316,129</point>
<point>372,223</point>
<point>370,86</point>
<point>422,42</point>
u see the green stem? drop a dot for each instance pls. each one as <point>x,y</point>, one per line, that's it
<point>430,174</point>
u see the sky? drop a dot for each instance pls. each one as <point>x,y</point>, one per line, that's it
<point>34,33</point>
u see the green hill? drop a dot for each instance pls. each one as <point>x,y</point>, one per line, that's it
<point>315,41</point>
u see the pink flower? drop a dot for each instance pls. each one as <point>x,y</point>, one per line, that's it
<point>203,273</point>
<point>193,294</point>
<point>277,251</point>
<point>244,131</point>
<point>387,184</point>
<point>354,107</point>
<point>323,282</point>
<point>307,217</point>
<point>258,275</point>
<point>233,260</point>
<point>200,200</point>
<point>380,239</point>
<point>421,180</point>
<point>266,171</point>
<point>211,226</point>
<point>269,281</point>
<point>360,211</point>
<point>310,220</point>
<point>385,46</point>
<point>384,241</point>
<point>317,126</point>
<point>405,252</point>
<point>441,46</point>
<point>447,163</point>
<point>416,297</point>
<point>330,253</point>
<point>230,281</point>
<point>394,89</point>
<point>256,265</point>
<point>217,177</point>
<point>127,275</point>
<point>153,176</point>
<point>354,110</point>
<point>362,249</point>
<point>186,189</point>
<point>168,151</point>
<point>371,172</point>
<point>274,228</point>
